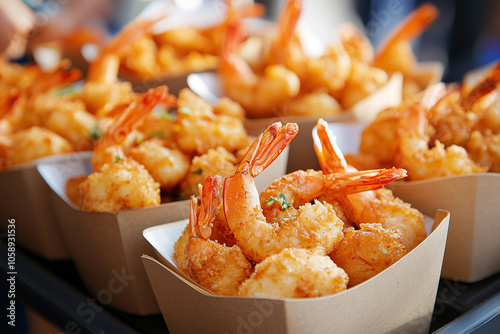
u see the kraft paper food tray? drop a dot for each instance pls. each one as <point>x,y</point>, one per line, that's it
<point>472,250</point>
<point>427,73</point>
<point>399,299</point>
<point>107,247</point>
<point>24,197</point>
<point>302,155</point>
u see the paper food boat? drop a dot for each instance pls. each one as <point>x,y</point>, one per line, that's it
<point>24,197</point>
<point>302,156</point>
<point>472,250</point>
<point>399,299</point>
<point>105,246</point>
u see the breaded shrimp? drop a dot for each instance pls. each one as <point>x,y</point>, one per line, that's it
<point>295,273</point>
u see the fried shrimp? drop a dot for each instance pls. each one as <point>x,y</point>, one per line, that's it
<point>218,161</point>
<point>102,92</point>
<point>281,199</point>
<point>378,206</point>
<point>367,251</point>
<point>200,129</point>
<point>215,266</point>
<point>295,273</point>
<point>110,146</point>
<point>117,186</point>
<point>274,87</point>
<point>314,225</point>
<point>168,166</point>
<point>30,144</point>
<point>414,153</point>
<point>395,53</point>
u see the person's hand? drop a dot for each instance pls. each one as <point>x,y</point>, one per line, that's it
<point>16,23</point>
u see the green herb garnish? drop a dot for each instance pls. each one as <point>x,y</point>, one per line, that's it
<point>96,133</point>
<point>199,171</point>
<point>281,200</point>
<point>67,90</point>
<point>117,159</point>
<point>166,116</point>
<point>157,134</point>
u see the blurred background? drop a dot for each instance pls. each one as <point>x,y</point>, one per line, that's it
<point>465,36</point>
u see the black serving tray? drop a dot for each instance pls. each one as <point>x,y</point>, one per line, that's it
<point>55,290</point>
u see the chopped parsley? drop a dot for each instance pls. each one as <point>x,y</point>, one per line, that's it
<point>281,200</point>
<point>117,159</point>
<point>96,133</point>
<point>157,134</point>
<point>199,171</point>
<point>166,116</point>
<point>67,90</point>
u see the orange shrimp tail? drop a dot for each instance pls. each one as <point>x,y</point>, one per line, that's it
<point>356,182</point>
<point>8,101</point>
<point>267,147</point>
<point>129,33</point>
<point>288,19</point>
<point>329,155</point>
<point>200,218</point>
<point>105,68</point>
<point>415,118</point>
<point>489,84</point>
<point>411,27</point>
<point>136,111</point>
<point>231,64</point>
<point>193,216</point>
<point>63,75</point>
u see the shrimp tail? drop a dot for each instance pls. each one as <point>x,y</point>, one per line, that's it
<point>329,155</point>
<point>267,147</point>
<point>8,102</point>
<point>414,24</point>
<point>356,182</point>
<point>105,68</point>
<point>239,189</point>
<point>61,76</point>
<point>489,84</point>
<point>287,21</point>
<point>231,63</point>
<point>210,204</point>
<point>137,110</point>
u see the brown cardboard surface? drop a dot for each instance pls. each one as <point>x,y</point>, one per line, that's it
<point>428,73</point>
<point>107,247</point>
<point>472,251</point>
<point>399,299</point>
<point>24,197</point>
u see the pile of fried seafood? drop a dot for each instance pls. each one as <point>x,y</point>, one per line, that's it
<point>446,130</point>
<point>308,234</point>
<point>285,80</point>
